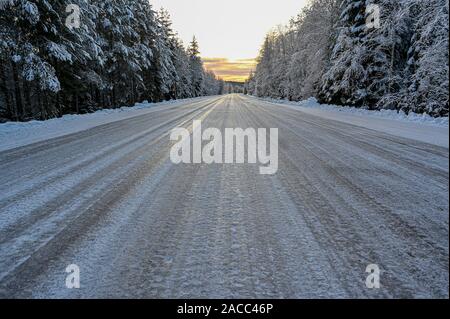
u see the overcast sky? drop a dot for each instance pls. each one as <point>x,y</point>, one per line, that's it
<point>229,29</point>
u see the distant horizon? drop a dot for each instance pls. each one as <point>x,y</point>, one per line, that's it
<point>230,34</point>
<point>230,70</point>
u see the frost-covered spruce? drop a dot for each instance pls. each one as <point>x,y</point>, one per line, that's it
<point>332,52</point>
<point>121,53</point>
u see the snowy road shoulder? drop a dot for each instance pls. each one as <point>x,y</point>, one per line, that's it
<point>421,128</point>
<point>417,127</point>
<point>14,134</point>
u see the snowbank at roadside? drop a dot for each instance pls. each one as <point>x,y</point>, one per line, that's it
<point>423,128</point>
<point>386,114</point>
<point>16,134</point>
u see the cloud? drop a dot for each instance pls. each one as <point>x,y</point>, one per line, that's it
<point>237,70</point>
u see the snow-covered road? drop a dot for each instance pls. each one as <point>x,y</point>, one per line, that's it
<point>109,200</point>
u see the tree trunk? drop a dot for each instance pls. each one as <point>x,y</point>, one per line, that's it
<point>17,92</point>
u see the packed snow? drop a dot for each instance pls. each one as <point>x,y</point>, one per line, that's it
<point>420,127</point>
<point>426,119</point>
<point>110,201</point>
<point>16,134</point>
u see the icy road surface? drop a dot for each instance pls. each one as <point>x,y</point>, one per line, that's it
<point>109,200</point>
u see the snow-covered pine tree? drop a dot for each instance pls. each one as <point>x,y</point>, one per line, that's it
<point>401,64</point>
<point>79,77</point>
<point>183,87</point>
<point>164,68</point>
<point>121,52</point>
<point>293,59</point>
<point>391,43</point>
<point>44,54</point>
<point>346,80</point>
<point>428,56</point>
<point>313,35</point>
<point>120,38</point>
<point>264,70</point>
<point>196,69</point>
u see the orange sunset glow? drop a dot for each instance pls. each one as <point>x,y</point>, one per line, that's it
<point>230,70</point>
<point>230,33</point>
